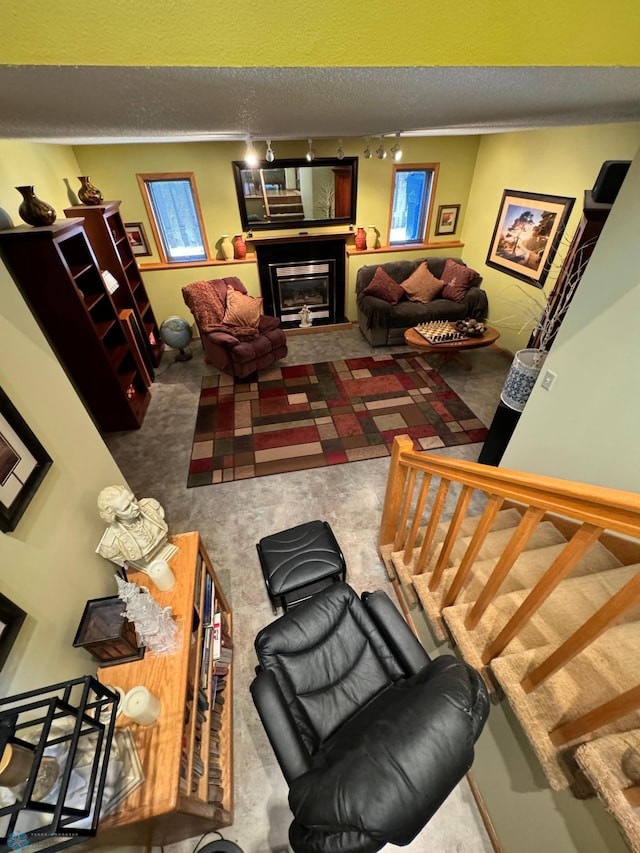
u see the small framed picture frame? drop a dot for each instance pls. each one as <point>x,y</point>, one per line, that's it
<point>447,219</point>
<point>11,619</point>
<point>137,238</point>
<point>23,464</point>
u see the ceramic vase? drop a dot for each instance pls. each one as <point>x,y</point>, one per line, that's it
<point>226,247</point>
<point>33,210</point>
<point>521,378</point>
<point>372,237</point>
<point>361,239</point>
<point>88,194</point>
<point>239,248</point>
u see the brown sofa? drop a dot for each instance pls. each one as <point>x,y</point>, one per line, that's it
<point>384,324</point>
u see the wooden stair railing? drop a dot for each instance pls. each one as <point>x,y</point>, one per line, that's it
<point>592,509</point>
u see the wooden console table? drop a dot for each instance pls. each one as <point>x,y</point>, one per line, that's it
<point>173,801</point>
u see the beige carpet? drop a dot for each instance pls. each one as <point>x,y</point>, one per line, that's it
<point>612,764</point>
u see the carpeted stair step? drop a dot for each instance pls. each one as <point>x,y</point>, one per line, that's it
<point>506,518</point>
<point>600,673</point>
<point>612,765</point>
<point>568,607</point>
<point>496,541</point>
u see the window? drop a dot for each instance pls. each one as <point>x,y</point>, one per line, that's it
<point>172,203</point>
<point>412,192</point>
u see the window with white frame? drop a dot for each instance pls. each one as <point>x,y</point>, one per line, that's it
<point>412,194</point>
<point>171,199</point>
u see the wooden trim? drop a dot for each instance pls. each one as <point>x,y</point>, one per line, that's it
<point>413,247</point>
<point>143,177</point>
<point>212,262</point>
<point>484,814</point>
<point>395,489</point>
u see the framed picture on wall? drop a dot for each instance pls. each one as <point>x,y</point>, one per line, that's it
<point>23,464</point>
<point>527,234</point>
<point>447,219</point>
<point>11,619</point>
<point>137,238</point>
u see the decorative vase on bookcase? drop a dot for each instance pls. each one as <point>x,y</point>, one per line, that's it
<point>226,248</point>
<point>88,194</point>
<point>239,248</point>
<point>361,239</point>
<point>372,237</point>
<point>33,210</point>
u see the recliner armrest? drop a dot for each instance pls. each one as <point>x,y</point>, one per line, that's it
<point>397,634</point>
<point>289,749</point>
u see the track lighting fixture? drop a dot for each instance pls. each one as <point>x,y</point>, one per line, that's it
<point>396,151</point>
<point>250,157</point>
<point>340,152</point>
<point>380,151</point>
<point>367,150</point>
<point>311,154</point>
<point>269,156</point>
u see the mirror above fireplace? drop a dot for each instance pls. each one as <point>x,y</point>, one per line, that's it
<point>297,193</point>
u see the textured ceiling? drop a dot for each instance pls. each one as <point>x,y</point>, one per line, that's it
<point>76,104</point>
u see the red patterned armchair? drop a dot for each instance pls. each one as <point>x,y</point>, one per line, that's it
<point>236,337</point>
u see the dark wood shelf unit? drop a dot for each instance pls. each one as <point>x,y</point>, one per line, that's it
<point>58,275</point>
<point>105,230</point>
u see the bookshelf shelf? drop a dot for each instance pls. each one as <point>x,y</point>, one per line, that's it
<point>187,754</point>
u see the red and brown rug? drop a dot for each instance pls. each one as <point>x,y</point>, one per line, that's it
<point>312,415</point>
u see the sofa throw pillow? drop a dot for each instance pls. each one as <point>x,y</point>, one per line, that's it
<point>242,310</point>
<point>457,280</point>
<point>384,287</point>
<point>204,303</point>
<point>422,285</point>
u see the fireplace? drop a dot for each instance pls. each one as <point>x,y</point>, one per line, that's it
<point>307,272</point>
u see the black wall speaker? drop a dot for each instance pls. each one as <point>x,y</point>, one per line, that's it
<point>609,181</point>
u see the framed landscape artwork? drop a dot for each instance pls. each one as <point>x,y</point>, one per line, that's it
<point>23,464</point>
<point>527,234</point>
<point>447,219</point>
<point>11,619</point>
<point>137,238</point>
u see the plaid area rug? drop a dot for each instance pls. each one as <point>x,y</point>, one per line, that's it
<point>312,415</point>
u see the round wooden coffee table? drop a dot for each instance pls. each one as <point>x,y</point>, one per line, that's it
<point>451,350</point>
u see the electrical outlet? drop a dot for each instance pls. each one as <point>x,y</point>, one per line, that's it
<point>548,379</point>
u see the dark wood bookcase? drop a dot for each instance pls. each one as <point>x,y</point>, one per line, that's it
<point>58,274</point>
<point>105,230</point>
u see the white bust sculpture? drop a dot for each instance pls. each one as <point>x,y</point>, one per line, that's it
<point>136,533</point>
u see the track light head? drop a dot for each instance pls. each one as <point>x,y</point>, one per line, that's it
<point>250,157</point>
<point>396,151</point>
<point>380,152</point>
<point>269,156</point>
<point>367,151</point>
<point>311,154</point>
<point>340,152</point>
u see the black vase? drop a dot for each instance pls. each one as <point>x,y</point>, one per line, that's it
<point>88,194</point>
<point>33,210</point>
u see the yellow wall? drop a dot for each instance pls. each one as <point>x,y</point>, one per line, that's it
<point>48,565</point>
<point>487,32</point>
<point>562,161</point>
<point>113,169</point>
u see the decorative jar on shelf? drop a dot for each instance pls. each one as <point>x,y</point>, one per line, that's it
<point>361,239</point>
<point>239,248</point>
<point>33,210</point>
<point>372,237</point>
<point>226,248</point>
<point>88,194</point>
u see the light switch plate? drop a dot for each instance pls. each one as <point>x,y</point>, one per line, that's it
<point>548,379</point>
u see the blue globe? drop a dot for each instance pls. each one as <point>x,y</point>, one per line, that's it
<point>176,332</point>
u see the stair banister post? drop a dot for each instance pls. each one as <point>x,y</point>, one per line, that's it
<point>395,489</point>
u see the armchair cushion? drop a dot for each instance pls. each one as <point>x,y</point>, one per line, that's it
<point>242,312</point>
<point>384,287</point>
<point>457,280</point>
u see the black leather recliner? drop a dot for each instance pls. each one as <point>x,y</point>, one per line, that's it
<point>371,734</point>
